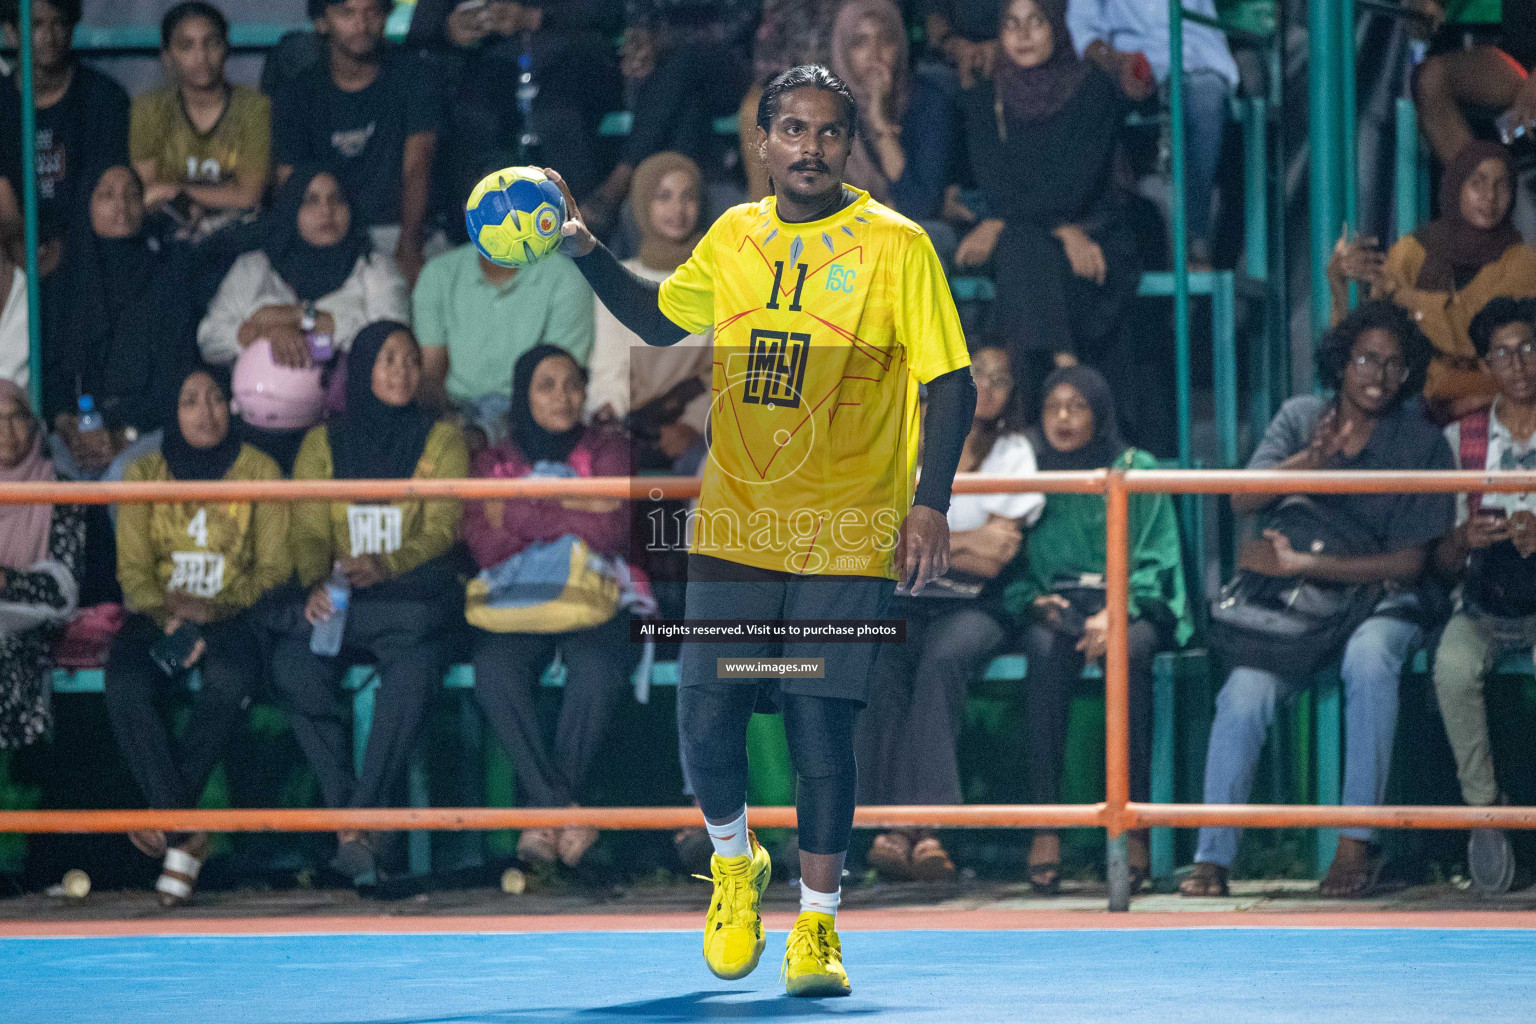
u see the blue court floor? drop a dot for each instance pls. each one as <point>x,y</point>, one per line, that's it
<point>1217,975</point>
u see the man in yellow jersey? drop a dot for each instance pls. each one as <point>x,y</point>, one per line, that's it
<point>828,311</point>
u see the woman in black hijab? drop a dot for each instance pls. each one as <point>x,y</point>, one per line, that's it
<point>398,563</point>
<point>549,391</point>
<point>192,574</point>
<point>117,326</point>
<point>1056,595</point>
<point>1042,136</point>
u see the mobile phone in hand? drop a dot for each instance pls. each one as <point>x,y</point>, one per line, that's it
<point>173,649</point>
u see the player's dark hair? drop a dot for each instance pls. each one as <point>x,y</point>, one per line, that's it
<point>192,9</point>
<point>806,76</point>
<point>69,10</point>
<point>317,8</point>
<point>1334,350</point>
<point>1500,312</point>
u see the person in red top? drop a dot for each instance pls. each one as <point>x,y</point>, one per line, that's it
<point>549,390</point>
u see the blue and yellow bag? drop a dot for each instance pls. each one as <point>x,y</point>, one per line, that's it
<point>555,587</point>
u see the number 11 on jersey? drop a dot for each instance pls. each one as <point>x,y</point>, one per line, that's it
<point>778,282</point>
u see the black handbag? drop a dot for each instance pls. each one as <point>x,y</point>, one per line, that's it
<point>1287,625</point>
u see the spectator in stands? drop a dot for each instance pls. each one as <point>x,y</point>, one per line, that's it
<point>1057,593</point>
<point>15,338</point>
<point>42,560</point>
<point>663,394</point>
<point>1373,362</point>
<point>1042,140</point>
<point>965,33</point>
<point>119,328</point>
<point>473,316</point>
<point>201,144</point>
<point>1129,40</point>
<point>1445,272</point>
<point>569,47</point>
<point>1490,552</point>
<point>548,391</point>
<point>315,274</point>
<point>789,34</point>
<point>81,128</point>
<point>1490,75</point>
<point>368,114</point>
<point>688,62</point>
<point>192,575</point>
<point>901,151</point>
<point>399,560</point>
<point>905,739</point>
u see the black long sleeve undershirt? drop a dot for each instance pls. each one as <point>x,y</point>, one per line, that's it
<point>946,424</point>
<point>630,298</point>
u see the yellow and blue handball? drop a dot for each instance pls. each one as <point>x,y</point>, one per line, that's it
<point>514,216</point>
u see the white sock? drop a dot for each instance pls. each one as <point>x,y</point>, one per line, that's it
<point>730,839</point>
<point>820,902</point>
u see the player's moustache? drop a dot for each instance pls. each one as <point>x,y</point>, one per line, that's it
<point>808,165</point>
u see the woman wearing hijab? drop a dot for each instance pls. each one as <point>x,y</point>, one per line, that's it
<point>905,739</point>
<point>901,152</point>
<point>1042,140</point>
<point>191,573</point>
<point>1445,273</point>
<point>1056,595</point>
<point>316,265</point>
<point>671,385</point>
<point>547,437</point>
<point>117,326</point>
<point>398,560</point>
<point>42,559</point>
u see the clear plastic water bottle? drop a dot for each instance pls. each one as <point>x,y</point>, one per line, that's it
<point>90,419</point>
<point>325,640</point>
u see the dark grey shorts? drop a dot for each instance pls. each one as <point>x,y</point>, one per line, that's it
<point>719,589</point>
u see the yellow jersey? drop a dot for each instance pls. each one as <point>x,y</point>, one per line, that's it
<point>822,331</point>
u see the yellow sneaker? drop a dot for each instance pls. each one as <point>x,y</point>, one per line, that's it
<point>813,960</point>
<point>733,930</point>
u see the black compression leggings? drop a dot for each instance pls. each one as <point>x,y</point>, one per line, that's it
<point>712,726</point>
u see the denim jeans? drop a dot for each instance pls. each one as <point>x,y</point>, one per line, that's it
<point>1373,662</point>
<point>1205,119</point>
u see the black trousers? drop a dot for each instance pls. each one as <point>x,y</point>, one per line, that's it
<point>1054,667</point>
<point>171,771</point>
<point>819,714</point>
<point>712,723</point>
<point>508,667</point>
<point>678,103</point>
<point>408,641</point>
<point>907,735</point>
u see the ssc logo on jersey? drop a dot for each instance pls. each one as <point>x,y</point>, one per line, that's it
<point>546,224</point>
<point>840,278</point>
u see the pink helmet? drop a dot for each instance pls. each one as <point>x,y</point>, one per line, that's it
<point>275,397</point>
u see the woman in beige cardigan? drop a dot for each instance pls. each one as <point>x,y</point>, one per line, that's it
<point>1445,273</point>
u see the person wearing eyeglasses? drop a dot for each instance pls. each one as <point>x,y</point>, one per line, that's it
<point>1490,552</point>
<point>1373,363</point>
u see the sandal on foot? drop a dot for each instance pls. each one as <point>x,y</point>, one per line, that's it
<point>1045,875</point>
<point>891,855</point>
<point>573,843</point>
<point>150,842</point>
<point>1350,880</point>
<point>1137,850</point>
<point>354,860</point>
<point>1205,880</point>
<point>930,862</point>
<point>178,873</point>
<point>539,845</point>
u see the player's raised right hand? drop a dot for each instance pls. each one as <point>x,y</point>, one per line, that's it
<point>576,240</point>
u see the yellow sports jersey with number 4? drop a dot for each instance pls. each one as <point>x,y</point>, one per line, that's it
<point>822,332</point>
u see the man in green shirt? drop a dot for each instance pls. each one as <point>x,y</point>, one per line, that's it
<point>475,318</point>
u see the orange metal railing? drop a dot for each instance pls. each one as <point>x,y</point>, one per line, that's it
<point>1116,814</point>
